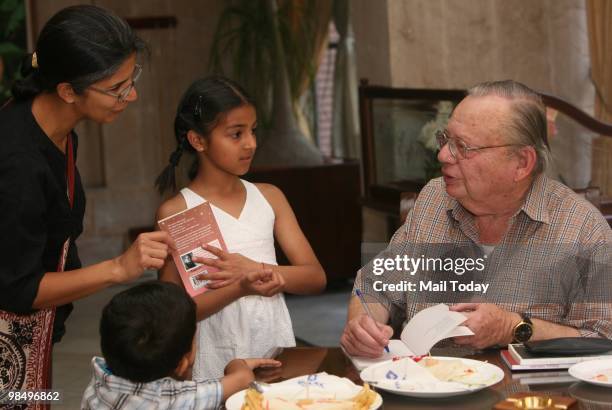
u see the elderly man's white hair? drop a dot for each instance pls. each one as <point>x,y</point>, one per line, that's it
<point>527,125</point>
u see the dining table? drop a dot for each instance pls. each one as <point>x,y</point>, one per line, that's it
<point>301,361</point>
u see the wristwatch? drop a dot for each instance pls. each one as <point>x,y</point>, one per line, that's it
<point>523,331</point>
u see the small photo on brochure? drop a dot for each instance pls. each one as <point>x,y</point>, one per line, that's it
<point>198,283</point>
<point>188,262</point>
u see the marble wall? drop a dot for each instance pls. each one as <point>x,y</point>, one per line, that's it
<point>458,43</point>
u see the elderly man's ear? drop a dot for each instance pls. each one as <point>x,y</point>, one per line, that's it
<point>526,163</point>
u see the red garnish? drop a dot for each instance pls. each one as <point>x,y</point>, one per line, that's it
<point>415,358</point>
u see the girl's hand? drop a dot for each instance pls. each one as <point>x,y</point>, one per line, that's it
<point>266,283</point>
<point>149,251</point>
<point>232,267</point>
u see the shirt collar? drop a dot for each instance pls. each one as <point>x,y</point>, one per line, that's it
<point>534,205</point>
<point>535,202</point>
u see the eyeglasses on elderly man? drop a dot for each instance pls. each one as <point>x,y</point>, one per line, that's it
<point>459,149</point>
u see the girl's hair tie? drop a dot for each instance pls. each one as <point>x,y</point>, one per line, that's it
<point>197,110</point>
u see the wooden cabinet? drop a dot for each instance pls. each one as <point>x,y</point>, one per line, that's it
<point>326,202</point>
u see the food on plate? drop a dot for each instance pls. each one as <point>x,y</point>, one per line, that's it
<point>254,400</point>
<point>600,378</point>
<point>603,376</point>
<point>415,358</point>
<point>448,370</point>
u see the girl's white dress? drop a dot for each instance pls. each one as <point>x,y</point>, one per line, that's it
<point>252,326</point>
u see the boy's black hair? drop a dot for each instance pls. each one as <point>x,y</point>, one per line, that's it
<point>146,330</point>
<point>200,110</point>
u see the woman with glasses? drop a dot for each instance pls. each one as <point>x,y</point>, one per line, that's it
<point>84,67</point>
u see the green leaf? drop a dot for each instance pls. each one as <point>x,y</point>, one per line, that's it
<point>7,48</point>
<point>10,5</point>
<point>16,19</point>
<point>245,42</point>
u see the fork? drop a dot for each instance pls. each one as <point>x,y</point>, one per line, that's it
<point>260,387</point>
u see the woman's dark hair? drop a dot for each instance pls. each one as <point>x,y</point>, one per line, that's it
<point>79,45</point>
<point>146,330</point>
<point>200,110</point>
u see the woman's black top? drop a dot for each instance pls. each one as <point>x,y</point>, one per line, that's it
<point>35,215</point>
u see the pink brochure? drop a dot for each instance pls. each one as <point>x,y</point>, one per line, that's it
<point>190,229</point>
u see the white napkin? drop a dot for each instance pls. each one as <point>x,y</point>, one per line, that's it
<point>407,375</point>
<point>316,386</point>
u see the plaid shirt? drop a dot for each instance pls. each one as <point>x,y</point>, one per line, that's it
<point>106,391</point>
<point>554,263</point>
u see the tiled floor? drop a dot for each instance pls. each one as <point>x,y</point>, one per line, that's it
<point>317,323</point>
<point>319,320</point>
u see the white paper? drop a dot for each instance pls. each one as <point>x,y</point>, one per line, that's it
<point>431,325</point>
<point>422,332</point>
<point>397,348</point>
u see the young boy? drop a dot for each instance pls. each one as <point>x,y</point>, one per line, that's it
<point>147,337</point>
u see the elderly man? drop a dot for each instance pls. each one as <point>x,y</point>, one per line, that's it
<point>495,197</point>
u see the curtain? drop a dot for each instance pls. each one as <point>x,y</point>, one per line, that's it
<point>305,40</point>
<point>345,118</point>
<point>599,16</point>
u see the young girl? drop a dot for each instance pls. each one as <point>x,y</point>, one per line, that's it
<point>216,120</point>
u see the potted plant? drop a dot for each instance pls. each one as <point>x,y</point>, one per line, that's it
<point>12,44</point>
<point>270,48</point>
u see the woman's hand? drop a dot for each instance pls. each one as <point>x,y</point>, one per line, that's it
<point>149,251</point>
<point>232,267</point>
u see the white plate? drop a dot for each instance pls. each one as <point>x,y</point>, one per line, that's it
<point>487,374</point>
<point>321,385</point>
<point>586,371</point>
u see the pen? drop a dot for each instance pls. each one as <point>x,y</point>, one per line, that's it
<point>367,309</point>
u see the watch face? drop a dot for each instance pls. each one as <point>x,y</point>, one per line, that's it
<point>523,332</point>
